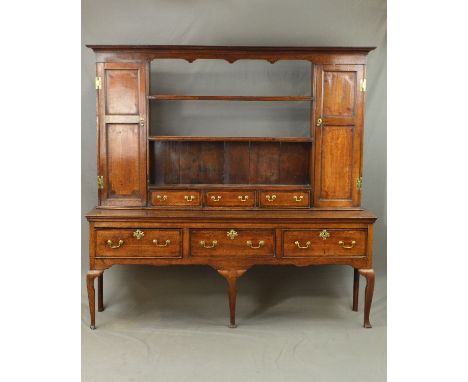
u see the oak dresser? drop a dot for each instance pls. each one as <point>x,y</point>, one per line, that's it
<point>230,202</point>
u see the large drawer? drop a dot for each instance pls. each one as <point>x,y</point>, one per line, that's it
<point>232,243</point>
<point>138,243</point>
<point>327,242</point>
<point>233,198</point>
<point>284,199</point>
<point>171,198</point>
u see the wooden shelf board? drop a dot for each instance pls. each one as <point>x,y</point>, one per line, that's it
<point>224,139</point>
<point>227,186</point>
<point>174,97</point>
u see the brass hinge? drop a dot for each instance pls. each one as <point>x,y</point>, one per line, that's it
<point>359,183</point>
<point>98,83</point>
<point>100,182</point>
<point>362,85</point>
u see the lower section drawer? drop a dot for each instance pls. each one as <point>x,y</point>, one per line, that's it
<point>169,198</point>
<point>138,243</point>
<point>232,243</point>
<point>309,243</point>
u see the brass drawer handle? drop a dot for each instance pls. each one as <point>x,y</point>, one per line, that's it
<point>301,247</point>
<point>216,198</point>
<point>138,234</point>
<point>324,234</point>
<point>243,198</point>
<point>298,198</point>
<point>261,243</point>
<point>342,244</point>
<point>155,241</point>
<point>214,244</point>
<point>270,198</point>
<point>161,198</point>
<point>189,198</point>
<point>110,245</point>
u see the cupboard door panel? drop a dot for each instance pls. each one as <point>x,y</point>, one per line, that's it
<point>122,134</point>
<point>338,135</point>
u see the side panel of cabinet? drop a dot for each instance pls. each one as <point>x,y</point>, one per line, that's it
<point>338,138</point>
<point>122,134</point>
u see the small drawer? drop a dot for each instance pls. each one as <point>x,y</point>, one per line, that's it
<point>138,243</point>
<point>232,243</point>
<point>236,198</point>
<point>287,199</point>
<point>311,243</point>
<point>168,198</point>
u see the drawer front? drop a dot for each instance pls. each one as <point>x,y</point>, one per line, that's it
<point>311,243</point>
<point>289,199</point>
<point>237,198</point>
<point>232,243</point>
<point>138,243</point>
<point>168,198</point>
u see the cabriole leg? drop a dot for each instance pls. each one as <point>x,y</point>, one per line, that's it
<point>231,276</point>
<point>370,281</point>
<point>91,275</point>
<point>100,293</point>
<point>356,290</point>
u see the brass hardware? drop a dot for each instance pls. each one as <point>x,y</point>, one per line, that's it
<point>261,243</point>
<point>161,198</point>
<point>98,83</point>
<point>110,245</point>
<point>319,122</point>
<point>155,241</point>
<point>216,198</point>
<point>359,183</point>
<point>299,245</point>
<point>298,199</point>
<point>214,244</point>
<point>100,182</point>
<point>142,122</point>
<point>243,198</point>
<point>189,198</point>
<point>347,246</point>
<point>270,198</point>
<point>362,84</point>
<point>324,234</point>
<point>138,234</point>
<point>232,234</point>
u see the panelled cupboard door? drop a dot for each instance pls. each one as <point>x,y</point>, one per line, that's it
<point>122,133</point>
<point>338,123</point>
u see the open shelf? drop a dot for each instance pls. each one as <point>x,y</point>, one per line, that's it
<point>228,186</point>
<point>174,97</point>
<point>227,139</point>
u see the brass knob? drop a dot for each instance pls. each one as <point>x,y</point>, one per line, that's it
<point>261,243</point>
<point>216,198</point>
<point>189,198</point>
<point>155,241</point>
<point>243,198</point>
<point>111,245</point>
<point>342,244</point>
<point>319,122</point>
<point>302,247</point>
<point>213,244</point>
<point>270,198</point>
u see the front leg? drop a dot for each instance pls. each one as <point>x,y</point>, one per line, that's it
<point>231,276</point>
<point>91,275</point>
<point>356,290</point>
<point>370,281</point>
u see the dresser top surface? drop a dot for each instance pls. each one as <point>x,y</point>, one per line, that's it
<point>156,214</point>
